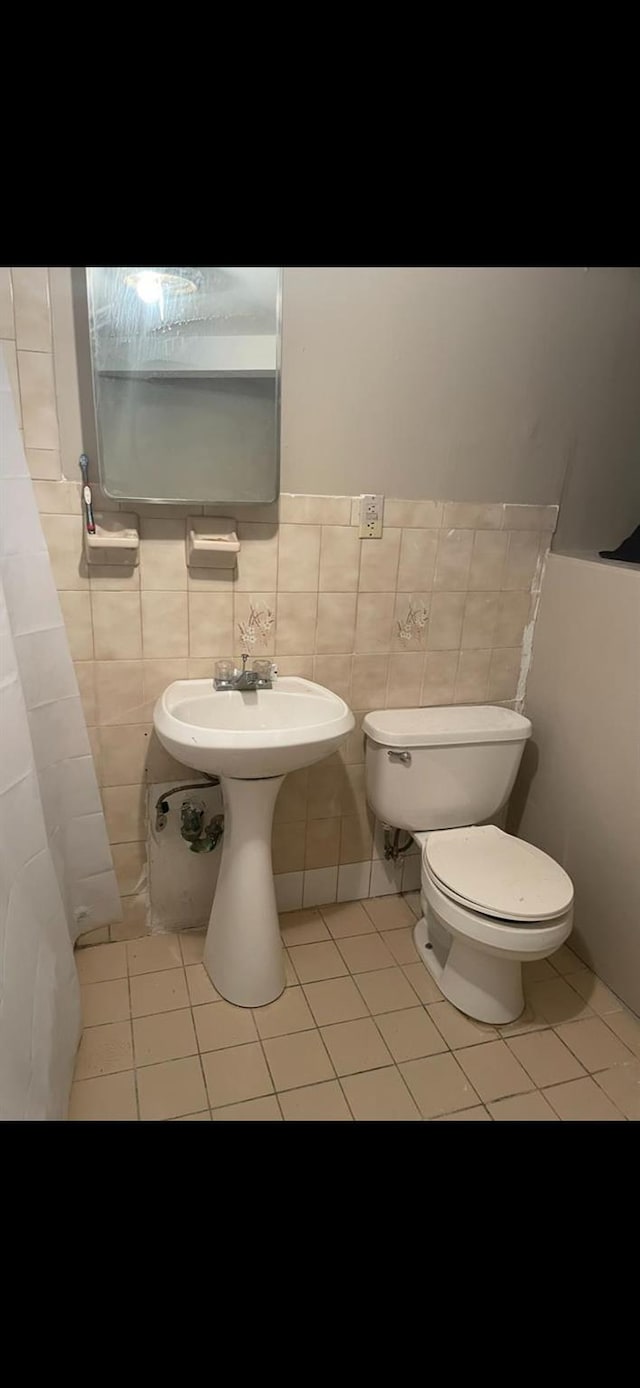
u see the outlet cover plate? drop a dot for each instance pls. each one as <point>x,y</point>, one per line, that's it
<point>371,511</point>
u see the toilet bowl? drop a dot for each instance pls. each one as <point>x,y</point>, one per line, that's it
<point>489,901</point>
<point>474,949</point>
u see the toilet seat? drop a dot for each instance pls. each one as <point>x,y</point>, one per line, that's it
<point>517,938</point>
<point>495,875</point>
<point>476,959</point>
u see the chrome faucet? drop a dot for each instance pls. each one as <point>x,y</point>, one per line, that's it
<point>245,681</point>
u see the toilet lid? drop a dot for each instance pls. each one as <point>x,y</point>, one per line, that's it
<point>497,874</point>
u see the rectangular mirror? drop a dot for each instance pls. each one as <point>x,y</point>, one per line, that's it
<point>186,381</point>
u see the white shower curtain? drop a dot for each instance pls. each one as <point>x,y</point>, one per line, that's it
<point>56,870</point>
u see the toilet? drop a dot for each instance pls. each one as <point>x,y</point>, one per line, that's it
<point>489,901</point>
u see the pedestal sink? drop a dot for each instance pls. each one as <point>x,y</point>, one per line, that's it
<point>250,740</point>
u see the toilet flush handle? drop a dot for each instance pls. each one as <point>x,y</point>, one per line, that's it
<point>404,757</point>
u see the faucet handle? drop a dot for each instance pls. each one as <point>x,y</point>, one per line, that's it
<point>263,668</point>
<point>224,674</point>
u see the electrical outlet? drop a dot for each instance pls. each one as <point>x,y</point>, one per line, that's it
<point>371,509</point>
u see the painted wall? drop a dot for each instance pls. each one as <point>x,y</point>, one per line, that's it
<point>475,384</point>
<point>601,494</point>
<point>578,794</point>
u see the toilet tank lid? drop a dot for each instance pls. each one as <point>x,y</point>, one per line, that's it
<point>445,727</point>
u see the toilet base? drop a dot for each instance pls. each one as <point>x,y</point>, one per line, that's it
<point>481,985</point>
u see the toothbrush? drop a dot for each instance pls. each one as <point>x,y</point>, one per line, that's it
<point>86,493</point>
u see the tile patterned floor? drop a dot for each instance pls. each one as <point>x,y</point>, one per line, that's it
<point>360,1032</point>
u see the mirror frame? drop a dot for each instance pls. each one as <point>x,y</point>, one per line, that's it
<point>89,409</point>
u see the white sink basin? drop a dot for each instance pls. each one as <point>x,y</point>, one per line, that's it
<point>250,740</point>
<point>265,732</point>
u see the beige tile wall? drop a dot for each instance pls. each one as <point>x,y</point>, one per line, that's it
<point>336,603</point>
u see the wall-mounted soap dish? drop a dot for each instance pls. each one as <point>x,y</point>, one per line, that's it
<point>212,542</point>
<point>116,539</point>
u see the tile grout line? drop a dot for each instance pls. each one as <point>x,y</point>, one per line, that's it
<point>307,1029</point>
<point>450,1049</point>
<point>133,1051</point>
<point>622,1066</point>
<point>266,1059</point>
<point>195,1030</point>
<point>316,1027</point>
<point>393,1064</point>
<point>376,930</point>
<point>200,1060</point>
<point>373,1017</point>
<point>201,1053</point>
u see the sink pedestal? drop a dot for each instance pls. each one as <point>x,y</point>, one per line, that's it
<point>243,952</point>
<point>251,739</point>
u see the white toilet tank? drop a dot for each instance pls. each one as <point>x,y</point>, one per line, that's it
<point>441,768</point>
